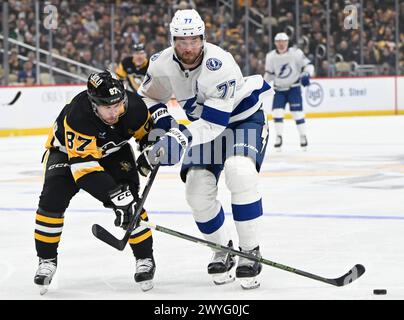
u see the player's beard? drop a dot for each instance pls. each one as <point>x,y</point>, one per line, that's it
<point>190,59</point>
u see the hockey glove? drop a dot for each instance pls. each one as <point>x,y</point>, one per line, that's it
<point>143,164</point>
<point>170,148</point>
<point>124,205</point>
<point>305,79</point>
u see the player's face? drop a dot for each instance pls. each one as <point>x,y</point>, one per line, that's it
<point>139,57</point>
<point>188,49</point>
<point>281,45</point>
<point>110,114</point>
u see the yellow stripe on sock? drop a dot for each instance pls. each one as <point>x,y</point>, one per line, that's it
<point>47,239</point>
<point>49,220</point>
<point>140,238</point>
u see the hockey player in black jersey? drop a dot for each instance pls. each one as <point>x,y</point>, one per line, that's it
<point>133,69</point>
<point>88,149</point>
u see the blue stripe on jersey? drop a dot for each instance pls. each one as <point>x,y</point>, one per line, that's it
<point>213,224</point>
<point>245,212</point>
<point>251,100</point>
<point>215,116</point>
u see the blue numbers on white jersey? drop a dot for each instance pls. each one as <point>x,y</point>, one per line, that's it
<point>224,88</point>
<point>188,20</point>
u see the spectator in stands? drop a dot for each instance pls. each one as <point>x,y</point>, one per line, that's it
<point>27,72</point>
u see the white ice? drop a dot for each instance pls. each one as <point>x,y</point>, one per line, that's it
<point>338,204</point>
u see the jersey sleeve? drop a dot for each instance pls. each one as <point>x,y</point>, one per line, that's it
<point>120,72</point>
<point>142,121</point>
<point>219,87</point>
<point>156,92</point>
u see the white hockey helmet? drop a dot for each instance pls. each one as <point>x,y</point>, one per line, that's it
<point>186,23</point>
<point>282,36</point>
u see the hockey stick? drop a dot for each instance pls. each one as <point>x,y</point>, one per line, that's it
<point>104,235</point>
<point>17,96</point>
<point>353,274</point>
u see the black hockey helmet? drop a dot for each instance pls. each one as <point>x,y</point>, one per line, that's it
<point>104,89</point>
<point>138,47</point>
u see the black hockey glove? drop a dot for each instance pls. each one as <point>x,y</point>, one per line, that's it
<point>124,205</point>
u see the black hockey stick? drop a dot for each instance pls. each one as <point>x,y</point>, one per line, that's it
<point>104,235</point>
<point>17,96</point>
<point>353,274</point>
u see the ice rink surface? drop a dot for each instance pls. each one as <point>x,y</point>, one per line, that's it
<point>326,209</point>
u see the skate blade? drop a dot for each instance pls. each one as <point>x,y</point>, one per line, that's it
<point>278,149</point>
<point>304,148</point>
<point>249,283</point>
<point>146,285</point>
<point>43,290</point>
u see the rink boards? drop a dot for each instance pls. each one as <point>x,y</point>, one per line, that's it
<point>36,108</point>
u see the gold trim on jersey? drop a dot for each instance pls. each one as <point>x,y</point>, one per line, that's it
<point>144,129</point>
<point>81,169</point>
<point>120,72</point>
<point>51,137</point>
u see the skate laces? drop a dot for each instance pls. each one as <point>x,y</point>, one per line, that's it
<point>46,267</point>
<point>144,265</point>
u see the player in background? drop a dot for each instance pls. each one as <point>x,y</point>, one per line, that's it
<point>133,69</point>
<point>222,105</point>
<point>88,149</point>
<point>288,68</point>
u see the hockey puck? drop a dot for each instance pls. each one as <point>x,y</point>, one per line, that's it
<point>379,291</point>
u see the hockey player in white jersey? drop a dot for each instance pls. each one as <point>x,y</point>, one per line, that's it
<point>288,68</point>
<point>222,106</point>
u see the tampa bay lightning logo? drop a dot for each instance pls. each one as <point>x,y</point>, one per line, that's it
<point>155,56</point>
<point>285,72</point>
<point>213,64</point>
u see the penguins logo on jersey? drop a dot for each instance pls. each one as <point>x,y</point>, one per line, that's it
<point>285,72</point>
<point>213,64</point>
<point>125,166</point>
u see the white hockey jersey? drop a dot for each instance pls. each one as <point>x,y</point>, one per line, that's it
<point>213,95</point>
<point>285,69</point>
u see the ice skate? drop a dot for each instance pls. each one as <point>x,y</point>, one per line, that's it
<point>303,142</point>
<point>278,143</point>
<point>221,266</point>
<point>247,270</point>
<point>145,269</point>
<point>44,274</point>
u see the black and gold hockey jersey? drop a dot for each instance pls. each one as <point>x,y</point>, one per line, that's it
<point>86,139</point>
<point>134,74</point>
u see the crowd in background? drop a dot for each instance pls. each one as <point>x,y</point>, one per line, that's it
<point>84,33</point>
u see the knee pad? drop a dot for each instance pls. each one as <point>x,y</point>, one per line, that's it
<point>241,179</point>
<point>201,193</point>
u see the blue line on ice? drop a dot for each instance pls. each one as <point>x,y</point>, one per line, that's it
<point>282,215</point>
